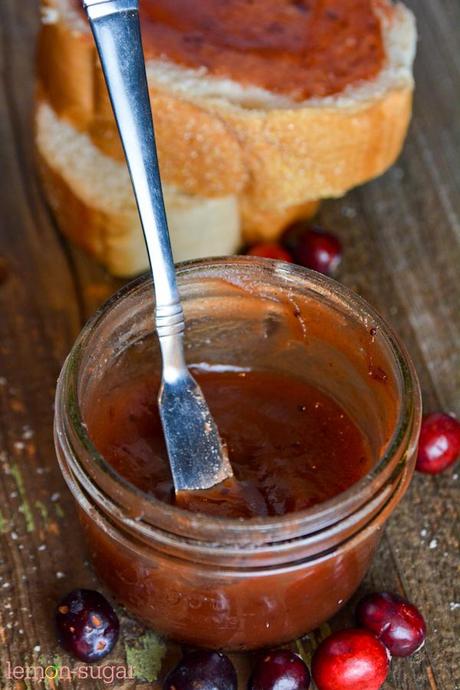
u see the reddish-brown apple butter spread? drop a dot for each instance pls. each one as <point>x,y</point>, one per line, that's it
<point>290,445</point>
<point>297,48</point>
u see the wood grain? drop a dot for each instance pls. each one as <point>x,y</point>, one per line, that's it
<point>402,239</point>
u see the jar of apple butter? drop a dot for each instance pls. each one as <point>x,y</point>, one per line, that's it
<point>319,406</point>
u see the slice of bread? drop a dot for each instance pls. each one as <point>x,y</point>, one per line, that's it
<point>218,139</point>
<point>91,196</point>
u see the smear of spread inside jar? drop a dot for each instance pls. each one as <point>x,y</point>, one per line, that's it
<point>291,446</point>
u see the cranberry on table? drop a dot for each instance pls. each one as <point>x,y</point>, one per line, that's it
<point>350,660</point>
<point>280,670</point>
<point>202,670</point>
<point>319,250</point>
<point>270,250</point>
<point>87,625</point>
<point>394,621</point>
<point>313,247</point>
<point>439,443</point>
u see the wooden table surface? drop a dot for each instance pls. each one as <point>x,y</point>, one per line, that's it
<point>402,239</point>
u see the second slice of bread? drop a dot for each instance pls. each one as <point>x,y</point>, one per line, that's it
<point>91,195</point>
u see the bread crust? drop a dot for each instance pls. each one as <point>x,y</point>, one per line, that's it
<point>272,158</point>
<point>260,225</point>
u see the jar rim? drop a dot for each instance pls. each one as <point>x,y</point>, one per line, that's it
<point>311,519</point>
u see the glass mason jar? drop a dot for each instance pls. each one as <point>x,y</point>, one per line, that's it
<point>231,583</point>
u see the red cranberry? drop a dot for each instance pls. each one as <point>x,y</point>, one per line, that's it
<point>394,621</point>
<point>350,660</point>
<point>280,670</point>
<point>87,625</point>
<point>439,443</point>
<point>202,671</point>
<point>270,250</point>
<point>313,247</point>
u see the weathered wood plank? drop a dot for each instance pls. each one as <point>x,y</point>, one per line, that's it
<point>42,554</point>
<point>406,261</point>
